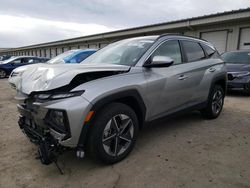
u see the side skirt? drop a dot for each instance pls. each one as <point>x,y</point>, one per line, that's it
<point>177,113</point>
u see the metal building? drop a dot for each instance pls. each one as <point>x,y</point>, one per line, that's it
<point>227,31</point>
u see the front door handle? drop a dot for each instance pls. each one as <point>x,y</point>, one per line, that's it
<point>182,77</point>
<point>212,69</point>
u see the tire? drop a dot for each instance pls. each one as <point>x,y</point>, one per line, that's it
<point>3,74</point>
<point>107,142</point>
<point>215,103</point>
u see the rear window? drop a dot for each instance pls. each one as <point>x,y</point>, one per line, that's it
<point>236,57</point>
<point>193,51</point>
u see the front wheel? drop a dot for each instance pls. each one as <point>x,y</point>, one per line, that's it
<point>3,74</point>
<point>113,133</point>
<point>215,103</point>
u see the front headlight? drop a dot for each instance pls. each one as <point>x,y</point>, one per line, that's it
<point>58,121</point>
<point>239,74</point>
<point>13,74</point>
<point>59,95</point>
<point>243,74</point>
<point>18,71</point>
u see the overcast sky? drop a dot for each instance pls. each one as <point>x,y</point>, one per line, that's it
<point>25,22</point>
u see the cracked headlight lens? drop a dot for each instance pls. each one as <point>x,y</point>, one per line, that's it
<point>58,121</point>
<point>57,117</point>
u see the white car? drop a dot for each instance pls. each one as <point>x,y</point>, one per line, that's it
<point>72,56</point>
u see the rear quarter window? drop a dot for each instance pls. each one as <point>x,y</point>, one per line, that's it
<point>208,50</point>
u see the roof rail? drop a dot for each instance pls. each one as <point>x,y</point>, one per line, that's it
<point>180,34</point>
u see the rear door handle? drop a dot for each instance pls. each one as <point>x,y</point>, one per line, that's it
<point>212,69</point>
<point>183,77</point>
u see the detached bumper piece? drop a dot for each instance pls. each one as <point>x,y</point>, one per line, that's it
<point>48,147</point>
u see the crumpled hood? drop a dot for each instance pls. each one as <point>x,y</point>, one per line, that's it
<point>235,67</point>
<point>47,77</point>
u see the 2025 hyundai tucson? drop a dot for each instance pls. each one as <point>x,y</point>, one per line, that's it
<point>99,106</point>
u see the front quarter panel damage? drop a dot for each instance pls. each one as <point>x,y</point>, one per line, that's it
<point>86,77</point>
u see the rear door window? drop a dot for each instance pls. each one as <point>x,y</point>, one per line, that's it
<point>193,51</point>
<point>26,60</point>
<point>35,60</point>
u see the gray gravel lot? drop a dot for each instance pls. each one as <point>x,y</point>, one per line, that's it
<point>187,151</point>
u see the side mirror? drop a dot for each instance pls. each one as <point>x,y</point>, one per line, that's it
<point>160,61</point>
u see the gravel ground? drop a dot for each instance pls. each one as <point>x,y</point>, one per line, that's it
<point>187,151</point>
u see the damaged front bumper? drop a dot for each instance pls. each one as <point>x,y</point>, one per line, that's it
<point>53,135</point>
<point>48,147</point>
<point>238,83</point>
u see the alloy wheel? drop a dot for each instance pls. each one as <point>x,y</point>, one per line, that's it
<point>118,135</point>
<point>217,102</point>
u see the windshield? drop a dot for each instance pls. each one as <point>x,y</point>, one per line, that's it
<point>236,57</point>
<point>60,58</point>
<point>125,52</point>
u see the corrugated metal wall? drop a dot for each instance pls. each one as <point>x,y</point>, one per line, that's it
<point>225,36</point>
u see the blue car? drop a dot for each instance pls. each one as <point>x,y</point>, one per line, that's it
<point>5,57</point>
<point>10,64</point>
<point>72,56</point>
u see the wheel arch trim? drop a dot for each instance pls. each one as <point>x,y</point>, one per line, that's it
<point>115,97</point>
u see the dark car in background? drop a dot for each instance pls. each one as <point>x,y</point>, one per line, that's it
<point>5,57</point>
<point>238,67</point>
<point>7,66</point>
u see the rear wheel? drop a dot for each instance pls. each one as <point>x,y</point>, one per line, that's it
<point>113,133</point>
<point>215,103</point>
<point>3,74</point>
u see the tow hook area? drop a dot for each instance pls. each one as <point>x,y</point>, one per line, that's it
<point>46,152</point>
<point>47,155</point>
<point>48,148</point>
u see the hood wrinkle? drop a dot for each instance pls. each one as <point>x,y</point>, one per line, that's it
<point>49,77</point>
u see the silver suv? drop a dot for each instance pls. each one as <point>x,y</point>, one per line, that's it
<point>98,107</point>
